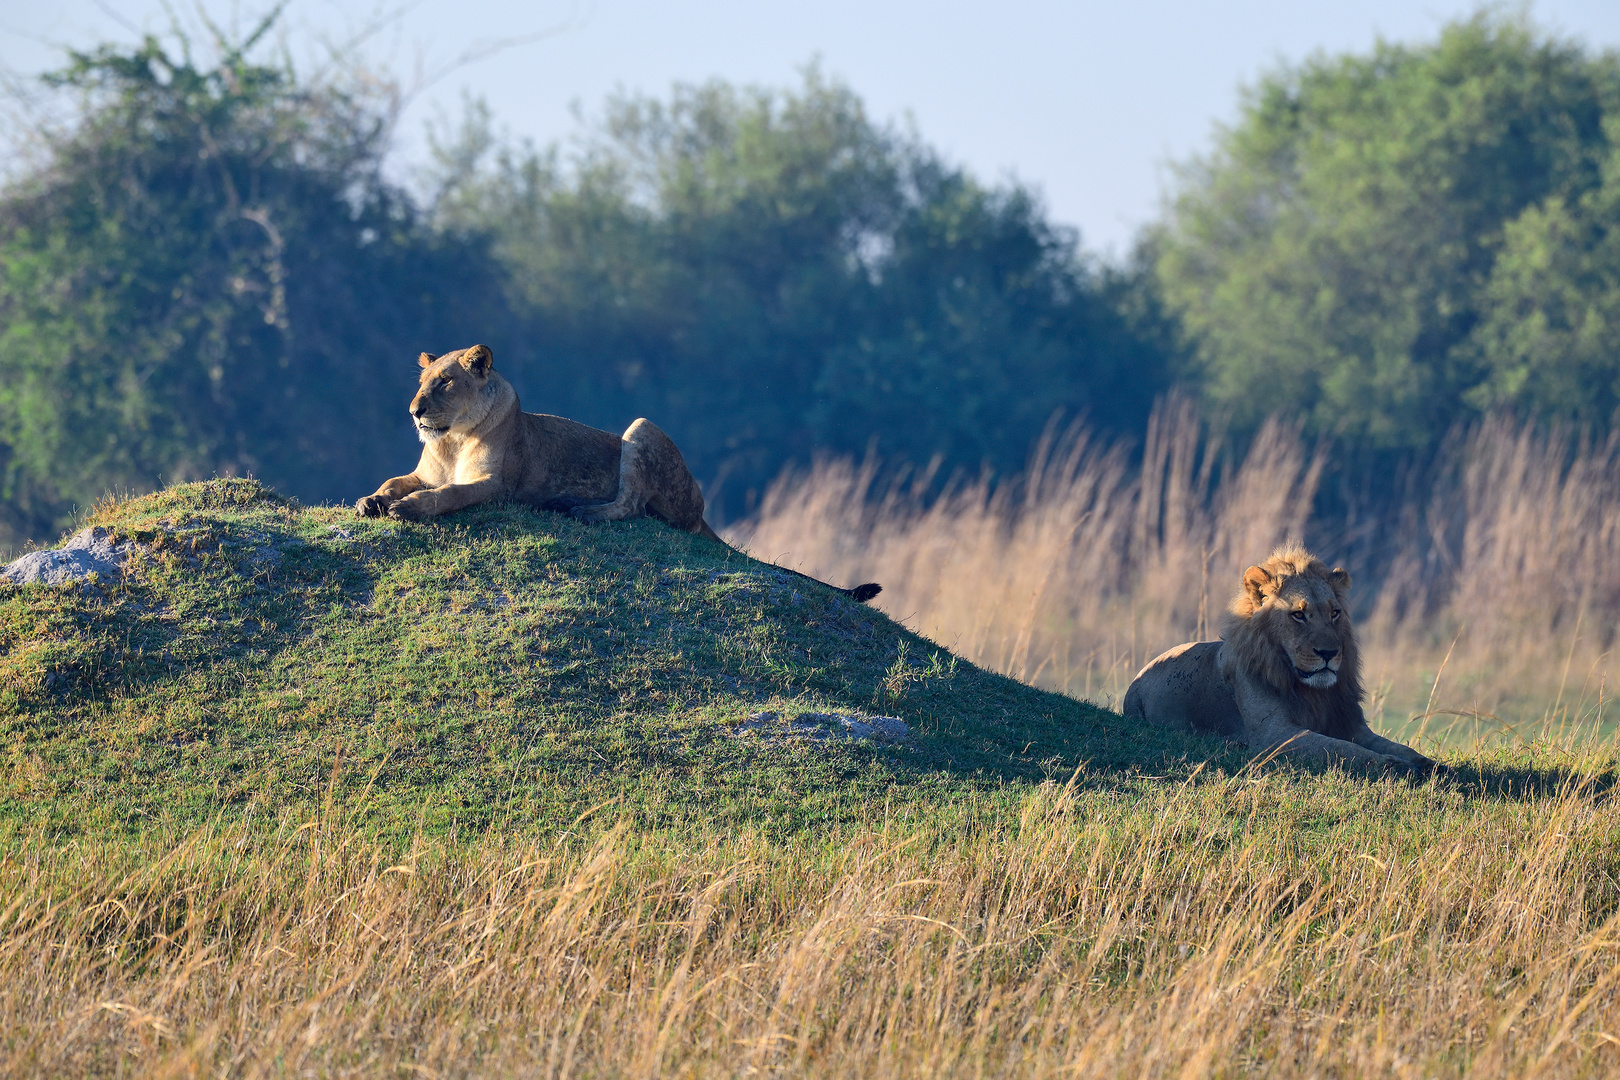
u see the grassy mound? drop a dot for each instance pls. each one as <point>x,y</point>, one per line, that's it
<point>499,667</point>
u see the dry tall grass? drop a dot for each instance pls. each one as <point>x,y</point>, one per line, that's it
<point>1488,602</point>
<point>1191,930</point>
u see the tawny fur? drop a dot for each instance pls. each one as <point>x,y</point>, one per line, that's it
<point>1257,636</point>
<point>478,446</point>
<point>1285,676</point>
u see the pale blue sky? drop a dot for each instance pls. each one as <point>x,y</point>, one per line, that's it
<point>1085,101</point>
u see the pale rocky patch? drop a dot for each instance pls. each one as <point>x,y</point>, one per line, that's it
<point>90,551</point>
<point>818,727</point>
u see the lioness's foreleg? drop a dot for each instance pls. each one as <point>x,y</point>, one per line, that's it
<point>377,503</point>
<point>431,502</point>
<point>652,476</point>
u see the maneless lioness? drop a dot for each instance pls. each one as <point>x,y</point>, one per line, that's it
<point>479,446</point>
<point>1285,676</point>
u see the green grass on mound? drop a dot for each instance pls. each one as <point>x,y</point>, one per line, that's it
<point>500,667</point>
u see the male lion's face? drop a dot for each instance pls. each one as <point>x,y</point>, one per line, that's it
<point>1305,617</point>
<point>450,386</point>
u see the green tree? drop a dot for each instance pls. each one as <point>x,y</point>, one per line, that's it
<point>1362,244</point>
<point>206,275</point>
<point>1549,340</point>
<point>770,275</point>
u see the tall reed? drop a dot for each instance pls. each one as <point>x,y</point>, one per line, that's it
<point>1488,598</point>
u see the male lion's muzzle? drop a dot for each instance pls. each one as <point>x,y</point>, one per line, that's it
<point>1323,671</point>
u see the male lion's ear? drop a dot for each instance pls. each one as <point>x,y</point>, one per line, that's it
<point>1255,580</point>
<point>425,359</point>
<point>1339,578</point>
<point>478,360</point>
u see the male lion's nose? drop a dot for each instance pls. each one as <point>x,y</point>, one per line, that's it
<point>1327,654</point>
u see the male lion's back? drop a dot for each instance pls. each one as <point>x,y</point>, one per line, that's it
<point>1183,688</point>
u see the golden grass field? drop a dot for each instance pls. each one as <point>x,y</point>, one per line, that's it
<point>1263,923</point>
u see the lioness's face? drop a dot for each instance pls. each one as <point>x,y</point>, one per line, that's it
<point>1307,618</point>
<point>449,389</point>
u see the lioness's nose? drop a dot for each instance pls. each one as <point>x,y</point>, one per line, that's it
<point>418,406</point>
<point>1327,654</point>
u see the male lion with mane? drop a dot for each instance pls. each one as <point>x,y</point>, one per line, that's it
<point>479,446</point>
<point>1285,676</point>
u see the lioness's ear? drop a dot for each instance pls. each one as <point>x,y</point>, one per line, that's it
<point>1339,578</point>
<point>425,359</point>
<point>478,360</point>
<point>1255,580</point>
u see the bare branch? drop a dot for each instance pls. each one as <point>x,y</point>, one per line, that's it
<point>112,13</point>
<point>483,50</point>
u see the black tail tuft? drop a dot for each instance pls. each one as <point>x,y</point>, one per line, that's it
<point>862,593</point>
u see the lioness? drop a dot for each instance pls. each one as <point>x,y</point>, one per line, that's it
<point>1285,676</point>
<point>479,445</point>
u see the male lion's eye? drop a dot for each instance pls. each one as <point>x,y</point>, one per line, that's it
<point>1299,616</point>
<point>1336,614</point>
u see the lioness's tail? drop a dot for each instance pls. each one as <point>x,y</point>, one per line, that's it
<point>860,593</point>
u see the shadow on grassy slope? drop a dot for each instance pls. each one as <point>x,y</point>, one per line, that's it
<point>1521,774</point>
<point>501,668</point>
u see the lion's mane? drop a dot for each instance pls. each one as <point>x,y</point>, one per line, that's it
<point>1256,642</point>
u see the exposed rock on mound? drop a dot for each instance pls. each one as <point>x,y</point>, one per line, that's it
<point>90,551</point>
<point>817,726</point>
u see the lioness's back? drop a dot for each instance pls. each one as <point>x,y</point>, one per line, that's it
<point>1183,687</point>
<point>565,459</point>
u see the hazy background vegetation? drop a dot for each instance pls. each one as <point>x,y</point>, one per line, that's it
<point>1392,273</point>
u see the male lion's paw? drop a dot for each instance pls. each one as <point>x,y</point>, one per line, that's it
<point>1419,767</point>
<point>371,506</point>
<point>588,514</point>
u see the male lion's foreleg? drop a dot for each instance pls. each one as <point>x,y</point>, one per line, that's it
<point>1302,743</point>
<point>1268,729</point>
<point>1371,740</point>
<point>377,503</point>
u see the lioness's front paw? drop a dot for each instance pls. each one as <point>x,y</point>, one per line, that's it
<point>371,506</point>
<point>409,510</point>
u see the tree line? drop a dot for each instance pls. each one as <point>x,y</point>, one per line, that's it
<point>207,272</point>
